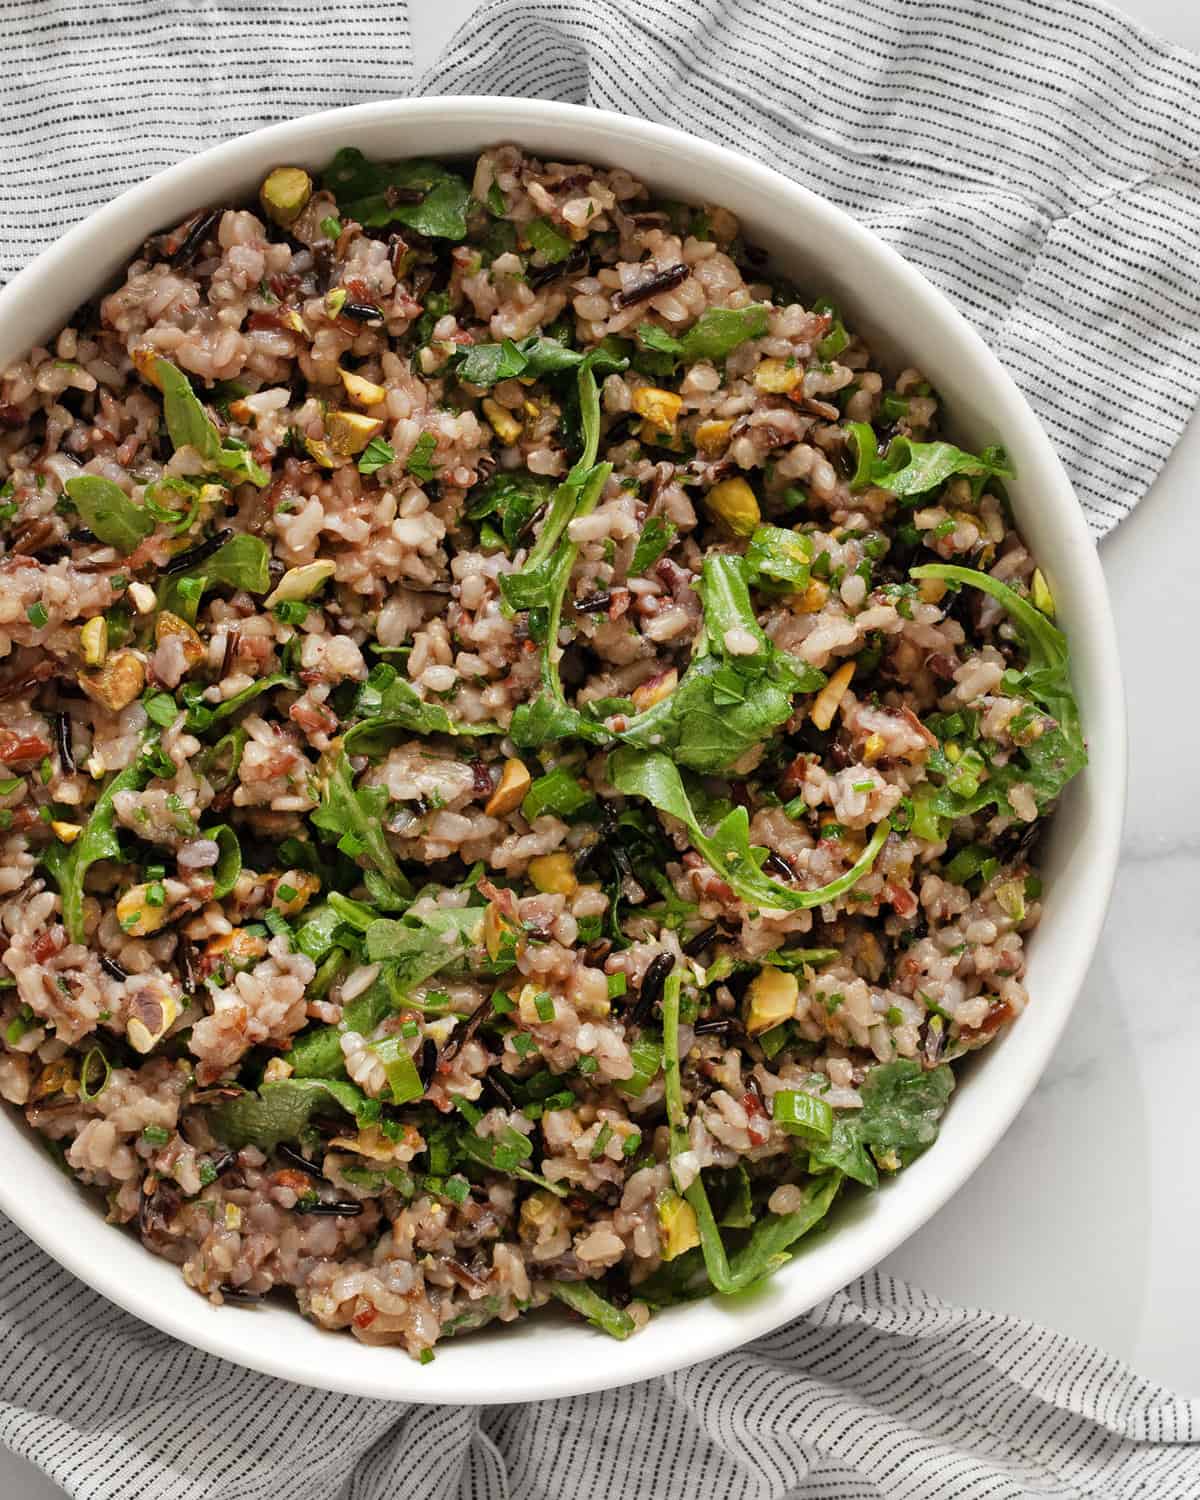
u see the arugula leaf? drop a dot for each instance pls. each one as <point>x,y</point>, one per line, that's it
<point>653,775</point>
<point>779,559</point>
<point>550,243</point>
<point>108,511</point>
<point>720,330</point>
<point>393,706</point>
<point>237,701</point>
<point>535,357</point>
<point>837,338</point>
<point>189,425</point>
<point>281,1111</point>
<point>902,1105</point>
<point>417,463</point>
<point>557,792</point>
<point>361,189</point>
<point>243,562</point>
<point>97,841</point>
<point>375,456</point>
<point>909,468</point>
<point>513,499</point>
<point>542,585</point>
<point>657,536</point>
<point>583,1298</point>
<point>1059,754</point>
<point>651,336</point>
<point>726,703</point>
<point>769,1242</point>
<point>354,817</point>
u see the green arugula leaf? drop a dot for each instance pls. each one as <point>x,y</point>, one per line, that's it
<point>836,340</point>
<point>108,512</point>
<point>189,425</point>
<point>652,775</point>
<point>779,559</point>
<point>68,865</point>
<point>909,469</point>
<point>375,456</point>
<point>354,817</point>
<point>513,499</point>
<point>583,1298</point>
<point>1059,754</point>
<point>717,332</point>
<point>281,1111</point>
<point>535,357</point>
<point>393,707</point>
<point>651,336</point>
<point>243,562</point>
<point>770,1241</point>
<point>237,701</point>
<point>902,1105</point>
<point>655,539</point>
<point>361,189</point>
<point>417,463</point>
<point>726,703</point>
<point>550,243</point>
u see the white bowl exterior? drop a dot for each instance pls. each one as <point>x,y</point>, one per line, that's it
<point>885,297</point>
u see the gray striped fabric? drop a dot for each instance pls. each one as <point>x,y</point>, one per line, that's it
<point>1033,159</point>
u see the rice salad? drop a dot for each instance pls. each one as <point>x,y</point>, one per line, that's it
<point>521,750</point>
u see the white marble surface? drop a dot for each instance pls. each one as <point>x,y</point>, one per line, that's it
<point>1087,1216</point>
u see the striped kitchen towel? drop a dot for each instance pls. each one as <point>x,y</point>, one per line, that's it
<point>1037,160</point>
<point>881,1393</point>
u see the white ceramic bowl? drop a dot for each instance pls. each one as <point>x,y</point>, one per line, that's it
<point>826,252</point>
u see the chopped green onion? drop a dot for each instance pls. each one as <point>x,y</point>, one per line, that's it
<point>617,985</point>
<point>800,1114</point>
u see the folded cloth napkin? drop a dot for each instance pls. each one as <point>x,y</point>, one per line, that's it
<point>1036,161</point>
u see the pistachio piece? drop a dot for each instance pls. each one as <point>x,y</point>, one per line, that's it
<point>117,683</point>
<point>1042,597</point>
<point>238,948</point>
<point>510,792</point>
<point>734,504</point>
<point>349,432</point>
<point>554,874</point>
<point>660,408</point>
<point>777,376</point>
<point>826,703</point>
<point>152,1013</point>
<point>712,437</point>
<point>655,689</point>
<point>145,362</point>
<point>137,914</point>
<point>301,582</point>
<point>142,597</point>
<point>93,641</point>
<point>677,1225</point>
<point>167,625</point>
<point>362,392</point>
<point>770,999</point>
<point>320,453</point>
<point>284,194</point>
<point>812,600</point>
<point>57,1077</point>
<point>503,423</point>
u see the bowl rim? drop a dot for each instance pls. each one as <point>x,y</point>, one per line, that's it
<point>385,1373</point>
